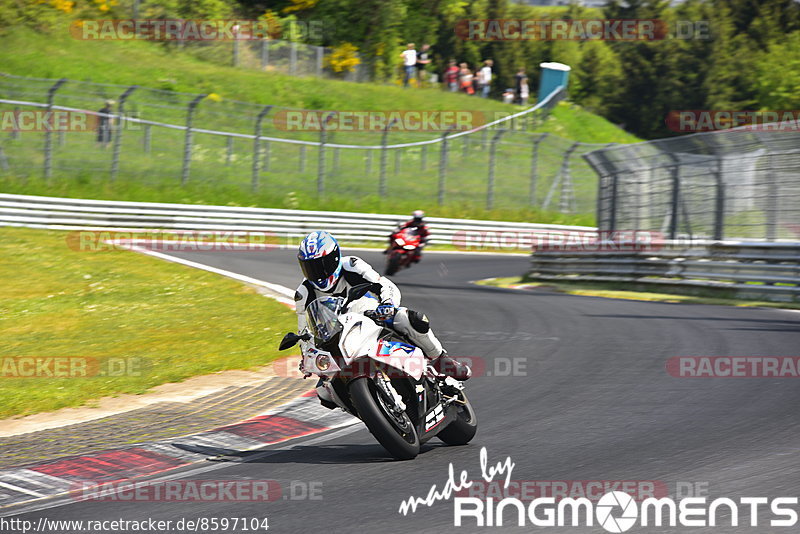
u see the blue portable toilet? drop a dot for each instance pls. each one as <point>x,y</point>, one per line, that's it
<point>553,75</point>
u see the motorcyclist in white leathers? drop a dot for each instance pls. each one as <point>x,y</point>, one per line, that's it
<point>328,273</point>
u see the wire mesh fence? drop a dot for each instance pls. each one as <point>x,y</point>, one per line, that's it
<point>155,139</point>
<point>742,184</point>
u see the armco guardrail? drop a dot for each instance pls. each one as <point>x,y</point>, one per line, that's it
<point>748,270</point>
<point>71,214</point>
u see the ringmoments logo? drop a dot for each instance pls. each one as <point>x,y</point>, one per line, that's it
<point>615,511</point>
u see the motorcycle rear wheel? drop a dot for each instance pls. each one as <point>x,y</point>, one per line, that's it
<point>397,435</point>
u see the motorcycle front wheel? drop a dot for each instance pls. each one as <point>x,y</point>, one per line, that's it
<point>394,431</point>
<point>392,263</point>
<point>463,429</point>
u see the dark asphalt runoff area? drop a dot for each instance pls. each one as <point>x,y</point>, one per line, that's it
<point>575,389</point>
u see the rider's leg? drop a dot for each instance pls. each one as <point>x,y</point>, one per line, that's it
<point>415,326</point>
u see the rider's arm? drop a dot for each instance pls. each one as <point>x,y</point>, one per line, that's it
<point>300,298</point>
<point>359,269</point>
<point>424,235</point>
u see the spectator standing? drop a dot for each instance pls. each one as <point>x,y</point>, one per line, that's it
<point>524,91</point>
<point>465,79</point>
<point>451,76</point>
<point>104,124</point>
<point>508,96</point>
<point>485,78</point>
<point>409,62</point>
<point>518,84</point>
<point>423,59</point>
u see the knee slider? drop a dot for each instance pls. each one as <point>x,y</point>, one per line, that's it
<point>419,322</point>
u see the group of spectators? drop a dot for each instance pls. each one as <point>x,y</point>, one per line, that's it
<point>460,77</point>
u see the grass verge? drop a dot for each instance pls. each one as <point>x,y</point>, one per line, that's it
<point>144,321</point>
<point>633,292</point>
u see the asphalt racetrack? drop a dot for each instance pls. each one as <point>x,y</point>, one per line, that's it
<point>574,389</point>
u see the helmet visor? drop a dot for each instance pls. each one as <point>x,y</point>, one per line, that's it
<point>321,268</point>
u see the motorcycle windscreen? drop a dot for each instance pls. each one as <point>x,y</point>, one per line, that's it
<point>322,316</point>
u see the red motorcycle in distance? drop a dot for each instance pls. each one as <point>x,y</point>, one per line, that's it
<point>405,243</point>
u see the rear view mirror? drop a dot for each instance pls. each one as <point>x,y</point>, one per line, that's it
<point>289,341</point>
<point>356,292</point>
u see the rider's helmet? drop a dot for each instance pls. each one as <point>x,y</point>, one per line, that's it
<point>320,260</point>
<point>418,215</point>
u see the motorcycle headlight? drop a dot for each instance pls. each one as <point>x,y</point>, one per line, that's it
<point>409,247</point>
<point>399,241</point>
<point>323,362</point>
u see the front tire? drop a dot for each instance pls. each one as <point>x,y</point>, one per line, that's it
<point>398,437</point>
<point>392,263</point>
<point>463,429</point>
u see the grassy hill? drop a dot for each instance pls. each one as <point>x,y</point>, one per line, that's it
<point>81,170</point>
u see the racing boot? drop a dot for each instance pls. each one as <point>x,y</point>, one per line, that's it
<point>451,367</point>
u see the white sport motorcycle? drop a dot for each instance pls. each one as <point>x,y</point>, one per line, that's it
<point>369,372</point>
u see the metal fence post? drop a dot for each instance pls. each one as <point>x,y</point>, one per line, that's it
<point>423,159</point>
<point>397,157</point>
<point>293,59</point>
<point>772,200</point>
<point>335,160</point>
<point>3,160</point>
<point>264,53</point>
<point>187,147</point>
<point>719,205</point>
<point>384,155</point>
<point>302,159</point>
<point>48,140</point>
<point>612,208</point>
<point>257,147</point>
<point>320,52</point>
<point>534,173</point>
<point>228,151</point>
<point>676,191</point>
<point>323,133</point>
<point>15,131</point>
<point>443,166</point>
<point>566,196</point>
<point>146,139</point>
<point>492,161</point>
<point>118,133</point>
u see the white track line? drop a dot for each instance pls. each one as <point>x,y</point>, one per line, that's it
<point>284,294</point>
